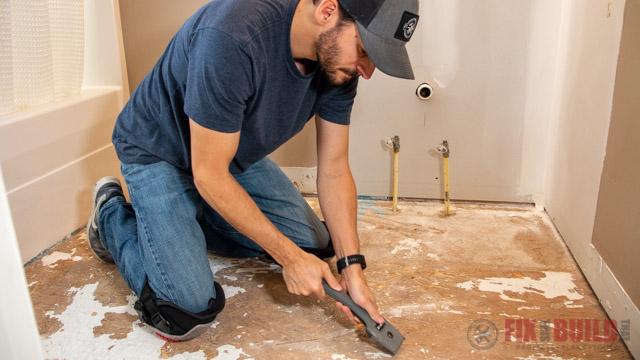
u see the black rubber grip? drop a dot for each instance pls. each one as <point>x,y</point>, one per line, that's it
<point>384,334</point>
<point>356,309</point>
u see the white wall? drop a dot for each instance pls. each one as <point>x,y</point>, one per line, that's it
<point>584,94</point>
<point>491,64</point>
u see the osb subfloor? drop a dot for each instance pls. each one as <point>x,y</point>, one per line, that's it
<point>433,277</point>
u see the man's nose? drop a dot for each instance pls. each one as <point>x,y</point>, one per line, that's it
<point>365,68</point>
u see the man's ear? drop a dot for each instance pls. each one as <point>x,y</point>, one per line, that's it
<point>327,12</point>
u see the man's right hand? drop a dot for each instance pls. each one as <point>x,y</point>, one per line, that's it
<point>304,273</point>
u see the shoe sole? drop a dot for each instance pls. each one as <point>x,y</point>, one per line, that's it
<point>105,180</point>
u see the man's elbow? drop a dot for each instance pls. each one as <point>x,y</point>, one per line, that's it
<point>206,180</point>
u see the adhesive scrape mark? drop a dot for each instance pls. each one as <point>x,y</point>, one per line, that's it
<point>571,305</point>
<point>408,247</point>
<point>433,256</point>
<point>553,285</point>
<point>419,309</point>
<point>376,355</point>
<point>230,291</point>
<point>510,316</point>
<point>219,263</point>
<point>412,309</point>
<point>229,352</point>
<point>340,357</point>
<point>541,357</point>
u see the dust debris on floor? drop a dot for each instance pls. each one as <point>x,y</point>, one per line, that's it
<point>478,284</point>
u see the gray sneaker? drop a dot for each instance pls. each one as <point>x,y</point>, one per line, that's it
<point>105,189</point>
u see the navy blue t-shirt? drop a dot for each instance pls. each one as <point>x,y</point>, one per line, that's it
<point>229,68</point>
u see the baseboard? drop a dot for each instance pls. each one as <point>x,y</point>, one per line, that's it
<point>304,178</point>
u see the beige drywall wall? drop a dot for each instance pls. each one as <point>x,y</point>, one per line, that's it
<point>617,230</point>
<point>147,27</point>
<point>299,151</point>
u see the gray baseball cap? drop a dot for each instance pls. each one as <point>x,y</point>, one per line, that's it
<point>385,27</point>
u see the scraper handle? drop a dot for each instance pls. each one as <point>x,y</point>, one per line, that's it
<point>356,309</point>
<point>384,334</point>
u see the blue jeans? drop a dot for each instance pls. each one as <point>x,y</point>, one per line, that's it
<point>164,234</point>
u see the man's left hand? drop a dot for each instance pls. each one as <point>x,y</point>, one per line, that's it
<point>354,282</point>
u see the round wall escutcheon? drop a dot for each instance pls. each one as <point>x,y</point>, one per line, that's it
<point>424,91</point>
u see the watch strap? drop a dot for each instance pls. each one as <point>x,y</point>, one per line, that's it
<point>350,260</point>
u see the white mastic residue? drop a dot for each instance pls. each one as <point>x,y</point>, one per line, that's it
<point>229,352</point>
<point>433,256</point>
<point>230,291</point>
<point>408,247</point>
<point>554,284</point>
<point>376,355</point>
<point>540,356</point>
<point>76,338</point>
<point>218,263</point>
<point>412,309</point>
<point>571,305</point>
<point>418,309</point>
<point>51,259</point>
<point>340,357</point>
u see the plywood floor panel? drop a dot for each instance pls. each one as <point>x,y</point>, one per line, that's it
<point>433,277</point>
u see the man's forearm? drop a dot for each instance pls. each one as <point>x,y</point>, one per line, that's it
<point>337,194</point>
<point>227,197</point>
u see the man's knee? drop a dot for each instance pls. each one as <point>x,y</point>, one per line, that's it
<point>194,296</point>
<point>173,320</point>
<point>314,235</point>
<point>321,246</point>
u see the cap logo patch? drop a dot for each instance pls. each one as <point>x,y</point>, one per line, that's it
<point>407,26</point>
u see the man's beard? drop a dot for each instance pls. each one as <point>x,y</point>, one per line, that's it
<point>328,53</point>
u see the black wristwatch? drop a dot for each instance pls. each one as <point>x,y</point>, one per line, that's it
<point>350,260</point>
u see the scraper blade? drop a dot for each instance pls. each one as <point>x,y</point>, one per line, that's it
<point>385,334</point>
